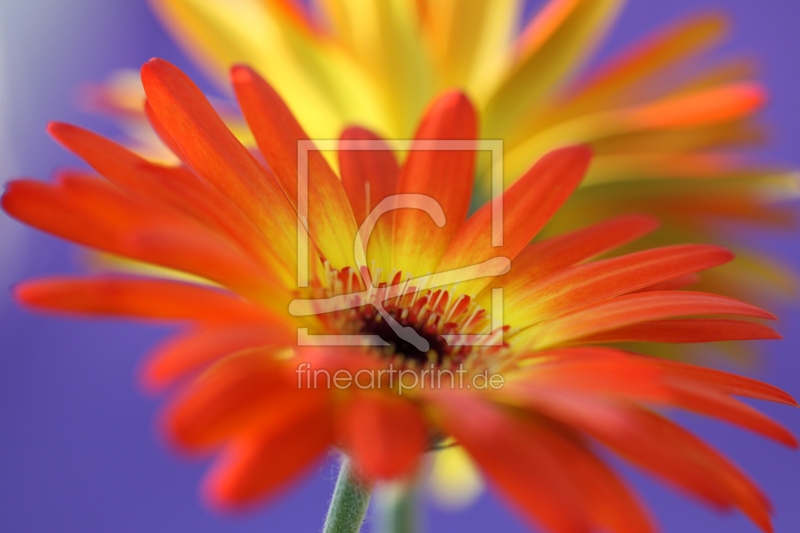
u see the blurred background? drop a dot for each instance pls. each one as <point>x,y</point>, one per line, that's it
<point>79,449</point>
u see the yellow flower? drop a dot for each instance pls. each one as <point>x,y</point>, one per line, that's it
<point>663,123</point>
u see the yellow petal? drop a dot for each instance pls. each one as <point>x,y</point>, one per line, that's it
<point>384,37</point>
<point>455,482</point>
<point>470,41</point>
<point>618,78</point>
<point>717,105</point>
<point>317,80</point>
<point>555,45</point>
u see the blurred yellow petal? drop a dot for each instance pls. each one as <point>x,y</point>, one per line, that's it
<point>763,278</point>
<point>384,38</point>
<point>676,166</point>
<point>317,80</point>
<point>556,44</point>
<point>721,104</point>
<point>104,262</point>
<point>619,78</point>
<point>726,136</point>
<point>469,40</point>
<point>455,482</point>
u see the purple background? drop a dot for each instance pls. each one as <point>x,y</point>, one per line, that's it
<point>78,447</point>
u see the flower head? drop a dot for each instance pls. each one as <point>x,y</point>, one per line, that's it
<point>370,312</point>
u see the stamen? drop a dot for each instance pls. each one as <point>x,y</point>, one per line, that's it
<point>431,314</point>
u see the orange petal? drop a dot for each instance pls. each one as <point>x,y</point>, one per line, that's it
<point>446,176</point>
<point>540,259</point>
<point>211,259</point>
<point>385,435</point>
<point>666,450</point>
<point>162,132</point>
<point>501,445</point>
<point>297,14</point>
<point>674,284</point>
<point>588,367</point>
<point>137,297</point>
<point>591,371</point>
<point>121,166</point>
<point>278,134</point>
<point>183,354</point>
<point>613,373</point>
<point>608,502</point>
<point>687,330</point>
<point>725,383</point>
<point>677,117</point>
<point>169,186</point>
<point>241,394</point>
<point>719,406</point>
<point>93,213</point>
<point>370,174</point>
<point>526,206</point>
<point>637,62</point>
<point>565,250</point>
<point>258,465</point>
<point>583,284</point>
<point>719,104</point>
<point>657,437</point>
<point>218,157</point>
<point>637,308</point>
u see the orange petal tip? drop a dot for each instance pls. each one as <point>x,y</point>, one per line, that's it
<point>63,132</point>
<point>157,67</point>
<point>766,314</point>
<point>354,132</point>
<point>452,101</point>
<point>217,498</point>
<point>756,94</point>
<point>32,293</point>
<point>18,291</point>
<point>725,254</point>
<point>243,74</point>
<point>578,151</point>
<point>579,155</point>
<point>25,293</point>
<point>149,380</point>
<point>54,127</point>
<point>644,221</point>
<point>454,98</point>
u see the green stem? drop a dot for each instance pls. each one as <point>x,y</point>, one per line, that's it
<point>398,509</point>
<point>349,502</point>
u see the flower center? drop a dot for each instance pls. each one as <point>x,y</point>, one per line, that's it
<point>407,323</point>
<point>371,322</point>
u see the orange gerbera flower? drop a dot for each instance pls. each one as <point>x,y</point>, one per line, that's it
<point>495,348</point>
